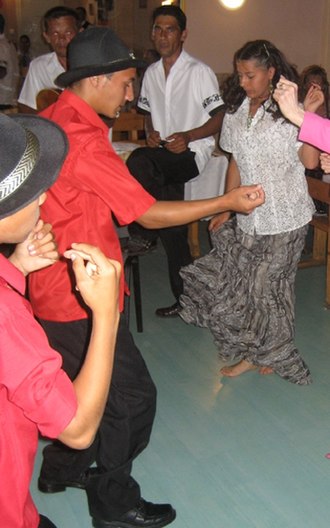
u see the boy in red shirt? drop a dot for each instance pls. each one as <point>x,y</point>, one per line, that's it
<point>36,395</point>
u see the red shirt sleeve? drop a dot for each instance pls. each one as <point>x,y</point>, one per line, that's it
<point>31,369</point>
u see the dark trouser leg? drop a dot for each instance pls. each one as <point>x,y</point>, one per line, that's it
<point>148,174</point>
<point>125,428</point>
<point>163,175</point>
<point>175,242</point>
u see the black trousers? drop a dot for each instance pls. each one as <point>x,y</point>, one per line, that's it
<point>125,427</point>
<point>163,174</point>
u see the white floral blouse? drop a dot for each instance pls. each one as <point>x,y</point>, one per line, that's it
<point>266,152</point>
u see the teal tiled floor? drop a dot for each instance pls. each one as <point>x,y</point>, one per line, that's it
<point>233,453</point>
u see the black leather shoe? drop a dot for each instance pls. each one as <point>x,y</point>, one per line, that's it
<point>144,515</point>
<point>169,311</point>
<point>49,485</point>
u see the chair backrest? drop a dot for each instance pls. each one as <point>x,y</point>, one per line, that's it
<point>46,97</point>
<point>318,189</point>
<point>129,126</point>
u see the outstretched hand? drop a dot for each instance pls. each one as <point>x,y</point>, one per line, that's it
<point>37,251</point>
<point>97,280</point>
<point>246,198</point>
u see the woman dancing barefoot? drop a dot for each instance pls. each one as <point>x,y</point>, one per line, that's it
<point>243,290</point>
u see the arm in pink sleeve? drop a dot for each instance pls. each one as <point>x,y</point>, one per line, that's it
<point>315,130</point>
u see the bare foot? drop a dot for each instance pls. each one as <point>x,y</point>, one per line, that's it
<point>237,369</point>
<point>266,370</point>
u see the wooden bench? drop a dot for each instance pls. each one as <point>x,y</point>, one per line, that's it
<point>320,190</point>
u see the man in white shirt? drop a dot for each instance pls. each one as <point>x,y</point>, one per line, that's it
<point>181,99</point>
<point>9,73</point>
<point>60,26</point>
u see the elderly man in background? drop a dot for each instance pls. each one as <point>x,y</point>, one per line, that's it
<point>60,25</point>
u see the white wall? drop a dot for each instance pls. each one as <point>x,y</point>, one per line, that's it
<point>29,15</point>
<point>300,28</point>
<point>294,26</point>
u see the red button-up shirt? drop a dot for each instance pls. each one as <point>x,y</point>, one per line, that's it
<point>35,394</point>
<point>93,185</point>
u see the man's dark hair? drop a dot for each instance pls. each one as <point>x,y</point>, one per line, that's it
<point>171,10</point>
<point>2,24</point>
<point>58,12</point>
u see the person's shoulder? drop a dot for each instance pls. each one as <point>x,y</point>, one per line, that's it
<point>41,60</point>
<point>197,64</point>
<point>152,69</point>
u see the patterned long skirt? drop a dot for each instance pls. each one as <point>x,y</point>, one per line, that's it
<point>243,291</point>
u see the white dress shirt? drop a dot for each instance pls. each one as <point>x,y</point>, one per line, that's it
<point>182,101</point>
<point>266,152</point>
<point>9,61</point>
<point>41,75</point>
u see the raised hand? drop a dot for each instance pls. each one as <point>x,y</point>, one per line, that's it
<point>286,95</point>
<point>314,98</point>
<point>37,251</point>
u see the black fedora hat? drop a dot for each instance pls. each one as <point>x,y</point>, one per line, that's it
<point>96,51</point>
<point>32,150</point>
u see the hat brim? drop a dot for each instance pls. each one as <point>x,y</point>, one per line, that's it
<point>76,74</point>
<point>53,150</point>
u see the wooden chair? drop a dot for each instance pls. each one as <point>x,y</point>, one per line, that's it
<point>193,239</point>
<point>320,190</point>
<point>129,126</point>
<point>209,183</point>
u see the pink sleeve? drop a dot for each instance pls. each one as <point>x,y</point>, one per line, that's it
<point>315,130</point>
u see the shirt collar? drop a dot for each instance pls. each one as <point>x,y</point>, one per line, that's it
<point>181,58</point>
<point>83,109</point>
<point>12,275</point>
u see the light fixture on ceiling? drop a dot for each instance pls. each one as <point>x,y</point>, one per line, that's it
<point>232,4</point>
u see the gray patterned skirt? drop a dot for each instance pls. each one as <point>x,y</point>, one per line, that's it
<point>243,291</point>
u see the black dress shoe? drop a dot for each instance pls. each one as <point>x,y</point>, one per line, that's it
<point>169,311</point>
<point>144,515</point>
<point>51,485</point>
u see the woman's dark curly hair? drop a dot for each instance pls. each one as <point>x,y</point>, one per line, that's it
<point>266,55</point>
